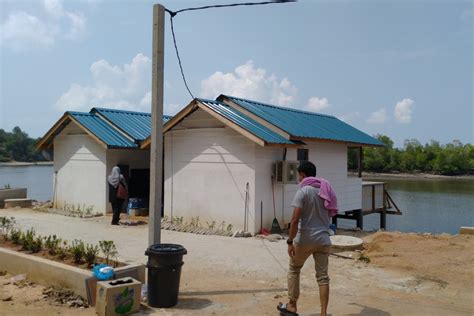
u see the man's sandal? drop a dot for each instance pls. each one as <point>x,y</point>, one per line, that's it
<point>284,311</point>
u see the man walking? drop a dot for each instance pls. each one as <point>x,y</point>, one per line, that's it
<point>309,235</point>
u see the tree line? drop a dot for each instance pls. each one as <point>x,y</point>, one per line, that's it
<point>454,158</point>
<point>18,146</point>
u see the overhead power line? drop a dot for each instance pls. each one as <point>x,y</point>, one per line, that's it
<point>217,6</point>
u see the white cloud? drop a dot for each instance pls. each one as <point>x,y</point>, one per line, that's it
<point>114,86</point>
<point>248,81</point>
<point>54,8</point>
<point>22,30</point>
<point>404,110</point>
<point>77,25</point>
<point>377,117</point>
<point>316,104</point>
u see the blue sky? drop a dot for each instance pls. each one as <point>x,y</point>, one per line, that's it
<point>400,68</point>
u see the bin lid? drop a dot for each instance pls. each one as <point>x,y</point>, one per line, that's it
<point>166,249</point>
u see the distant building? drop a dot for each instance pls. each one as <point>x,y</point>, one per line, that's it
<point>85,148</point>
<point>220,157</point>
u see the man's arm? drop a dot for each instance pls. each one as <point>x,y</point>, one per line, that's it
<point>294,223</point>
<point>293,230</point>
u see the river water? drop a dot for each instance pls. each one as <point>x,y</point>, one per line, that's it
<point>37,179</point>
<point>428,205</point>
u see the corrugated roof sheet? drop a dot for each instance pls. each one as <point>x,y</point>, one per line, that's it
<point>135,124</point>
<point>245,122</point>
<point>103,130</point>
<point>306,124</point>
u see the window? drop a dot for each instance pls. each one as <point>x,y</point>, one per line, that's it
<point>302,154</point>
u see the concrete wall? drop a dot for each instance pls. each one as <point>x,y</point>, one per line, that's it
<point>18,193</point>
<point>135,159</point>
<point>207,167</point>
<point>51,273</point>
<point>80,170</point>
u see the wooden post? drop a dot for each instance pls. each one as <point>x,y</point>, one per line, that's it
<point>383,213</point>
<point>156,151</point>
<point>359,161</point>
<point>359,215</point>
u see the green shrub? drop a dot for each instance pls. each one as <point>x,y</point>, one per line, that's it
<point>77,250</point>
<point>36,245</point>
<point>52,244</point>
<point>91,253</point>
<point>15,236</point>
<point>6,225</point>
<point>62,251</point>
<point>27,239</point>
<point>108,250</point>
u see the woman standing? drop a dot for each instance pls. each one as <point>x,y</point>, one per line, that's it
<point>117,185</point>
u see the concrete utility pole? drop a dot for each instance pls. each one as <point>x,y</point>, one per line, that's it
<point>156,154</point>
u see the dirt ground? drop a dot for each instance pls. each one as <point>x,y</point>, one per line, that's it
<point>408,274</point>
<point>24,298</point>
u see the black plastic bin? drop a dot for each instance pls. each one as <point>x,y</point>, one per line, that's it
<point>164,273</point>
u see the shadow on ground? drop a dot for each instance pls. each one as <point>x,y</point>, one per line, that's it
<point>191,304</point>
<point>366,310</point>
<point>231,292</point>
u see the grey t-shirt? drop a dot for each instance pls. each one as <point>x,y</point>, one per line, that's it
<point>313,227</point>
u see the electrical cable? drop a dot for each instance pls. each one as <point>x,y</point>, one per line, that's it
<point>174,13</point>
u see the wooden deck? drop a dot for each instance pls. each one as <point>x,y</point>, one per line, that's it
<point>375,199</point>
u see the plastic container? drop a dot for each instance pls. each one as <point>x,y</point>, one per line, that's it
<point>164,274</point>
<point>103,272</point>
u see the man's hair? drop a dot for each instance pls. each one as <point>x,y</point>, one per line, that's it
<point>307,168</point>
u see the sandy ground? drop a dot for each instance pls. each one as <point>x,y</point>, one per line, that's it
<point>29,300</point>
<point>409,274</point>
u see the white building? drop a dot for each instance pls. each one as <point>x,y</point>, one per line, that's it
<point>220,157</point>
<point>86,146</point>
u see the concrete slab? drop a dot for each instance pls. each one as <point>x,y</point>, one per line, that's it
<point>341,242</point>
<point>12,203</point>
<point>17,193</point>
<point>466,230</point>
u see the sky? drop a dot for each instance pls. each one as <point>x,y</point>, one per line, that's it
<point>398,68</point>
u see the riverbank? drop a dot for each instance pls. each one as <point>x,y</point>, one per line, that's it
<point>26,164</point>
<point>411,176</point>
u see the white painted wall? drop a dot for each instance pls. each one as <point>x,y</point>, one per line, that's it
<point>79,163</point>
<point>207,167</point>
<point>331,163</point>
<point>134,158</point>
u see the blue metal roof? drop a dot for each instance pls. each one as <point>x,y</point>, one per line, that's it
<point>245,122</point>
<point>305,124</point>
<point>103,130</point>
<point>135,124</point>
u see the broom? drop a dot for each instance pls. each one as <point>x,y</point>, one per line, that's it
<point>275,225</point>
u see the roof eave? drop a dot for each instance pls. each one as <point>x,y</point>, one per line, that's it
<point>173,121</point>
<point>327,140</point>
<point>44,141</point>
